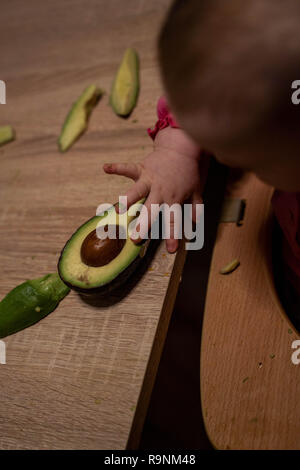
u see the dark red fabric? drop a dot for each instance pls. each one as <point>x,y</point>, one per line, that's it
<point>286,207</point>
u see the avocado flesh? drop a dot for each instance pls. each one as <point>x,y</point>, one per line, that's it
<point>79,276</point>
<point>7,134</point>
<point>76,121</point>
<point>126,84</point>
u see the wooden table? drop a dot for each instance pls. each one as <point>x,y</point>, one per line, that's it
<point>82,377</point>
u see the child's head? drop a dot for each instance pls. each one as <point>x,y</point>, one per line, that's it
<point>228,66</point>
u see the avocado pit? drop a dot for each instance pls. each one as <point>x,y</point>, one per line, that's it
<point>96,252</point>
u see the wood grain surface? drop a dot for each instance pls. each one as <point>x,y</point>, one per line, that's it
<point>74,379</point>
<point>250,387</point>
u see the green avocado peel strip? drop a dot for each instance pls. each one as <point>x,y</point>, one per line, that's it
<point>29,302</point>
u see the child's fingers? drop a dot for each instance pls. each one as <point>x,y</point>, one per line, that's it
<point>172,245</point>
<point>137,192</point>
<point>148,215</point>
<point>131,170</point>
<point>174,233</point>
<point>196,211</point>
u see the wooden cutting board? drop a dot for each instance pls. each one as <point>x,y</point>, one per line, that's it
<point>250,385</point>
<point>82,377</point>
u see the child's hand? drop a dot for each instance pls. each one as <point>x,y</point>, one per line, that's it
<point>170,174</point>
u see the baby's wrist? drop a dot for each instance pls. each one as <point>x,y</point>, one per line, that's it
<point>177,140</point>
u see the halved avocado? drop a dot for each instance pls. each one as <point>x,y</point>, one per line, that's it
<point>125,87</point>
<point>91,265</point>
<point>77,119</point>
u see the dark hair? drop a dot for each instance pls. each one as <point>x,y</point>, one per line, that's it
<point>233,59</point>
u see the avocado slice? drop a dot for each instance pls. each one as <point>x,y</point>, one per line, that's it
<point>7,134</point>
<point>125,87</point>
<point>90,265</point>
<point>76,121</point>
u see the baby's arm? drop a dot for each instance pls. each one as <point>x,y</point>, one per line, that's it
<point>170,174</point>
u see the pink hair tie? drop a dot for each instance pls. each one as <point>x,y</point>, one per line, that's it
<point>165,118</point>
